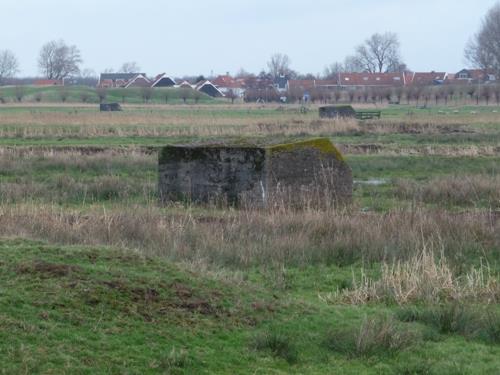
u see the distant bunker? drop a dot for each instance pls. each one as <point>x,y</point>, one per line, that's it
<point>303,172</point>
<point>333,111</point>
<point>110,107</point>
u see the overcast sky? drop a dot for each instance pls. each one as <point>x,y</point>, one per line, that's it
<point>188,37</point>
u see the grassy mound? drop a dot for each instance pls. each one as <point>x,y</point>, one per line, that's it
<point>100,311</point>
<point>84,310</point>
<point>85,94</point>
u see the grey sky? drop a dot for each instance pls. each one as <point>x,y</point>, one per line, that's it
<point>199,36</point>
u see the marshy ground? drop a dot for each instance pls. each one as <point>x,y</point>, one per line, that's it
<point>96,277</point>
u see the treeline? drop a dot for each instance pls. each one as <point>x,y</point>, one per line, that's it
<point>420,95</point>
<point>80,94</point>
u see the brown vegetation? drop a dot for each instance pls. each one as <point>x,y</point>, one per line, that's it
<point>277,237</point>
<point>80,123</point>
<point>453,190</point>
<point>423,278</point>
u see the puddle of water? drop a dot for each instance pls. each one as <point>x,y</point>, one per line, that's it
<point>372,182</point>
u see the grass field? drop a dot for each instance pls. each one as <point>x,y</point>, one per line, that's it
<point>96,277</point>
<point>83,94</point>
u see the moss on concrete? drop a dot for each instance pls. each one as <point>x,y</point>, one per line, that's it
<point>200,151</point>
<point>324,145</point>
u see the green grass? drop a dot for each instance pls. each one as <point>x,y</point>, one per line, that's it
<point>77,94</point>
<point>420,167</point>
<point>95,310</point>
<point>76,179</point>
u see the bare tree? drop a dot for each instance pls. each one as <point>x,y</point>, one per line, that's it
<point>63,94</point>
<point>483,49</point>
<point>386,93</point>
<point>19,93</point>
<point>353,65</point>
<point>147,94</point>
<point>102,94</point>
<point>351,94</point>
<point>337,95</point>
<point>333,70</point>
<point>398,94</point>
<point>185,93</point>
<point>84,96</point>
<point>380,53</point>
<point>231,95</point>
<point>496,91</point>
<point>57,60</point>
<point>487,93</point>
<point>129,67</point>
<point>124,93</point>
<point>9,65</point>
<point>279,64</point>
<point>165,94</point>
<point>444,92</point>
<point>197,96</point>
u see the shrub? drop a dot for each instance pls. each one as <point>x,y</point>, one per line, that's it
<point>456,318</point>
<point>147,94</point>
<point>279,344</point>
<point>19,93</point>
<point>380,335</point>
<point>450,318</point>
<point>102,94</point>
<point>175,361</point>
<point>63,94</point>
<point>84,96</point>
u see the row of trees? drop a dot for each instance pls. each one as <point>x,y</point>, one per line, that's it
<point>147,94</point>
<point>419,95</point>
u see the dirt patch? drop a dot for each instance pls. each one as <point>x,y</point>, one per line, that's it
<point>161,299</point>
<point>182,291</point>
<point>140,294</point>
<point>198,305</point>
<point>48,269</point>
<point>192,303</point>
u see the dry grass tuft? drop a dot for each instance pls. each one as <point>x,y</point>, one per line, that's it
<point>423,278</point>
<point>379,335</point>
<point>276,238</point>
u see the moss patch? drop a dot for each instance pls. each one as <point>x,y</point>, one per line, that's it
<point>324,145</point>
<point>200,151</point>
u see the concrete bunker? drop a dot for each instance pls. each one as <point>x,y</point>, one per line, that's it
<point>333,111</point>
<point>110,107</point>
<point>300,172</point>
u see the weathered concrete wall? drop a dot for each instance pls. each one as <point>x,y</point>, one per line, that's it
<point>310,172</point>
<point>204,173</point>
